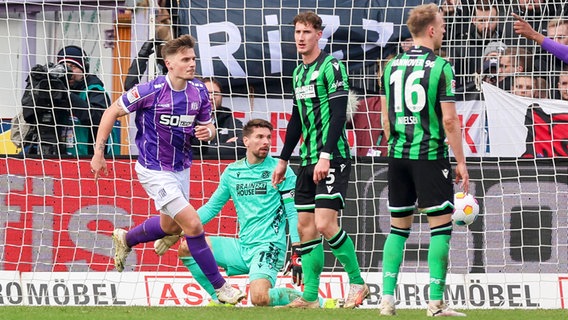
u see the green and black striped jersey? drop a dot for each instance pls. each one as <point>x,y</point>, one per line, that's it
<point>315,84</point>
<point>414,83</point>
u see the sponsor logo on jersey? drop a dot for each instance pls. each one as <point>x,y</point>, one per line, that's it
<point>252,188</point>
<point>174,120</point>
<point>133,95</point>
<point>305,92</point>
<point>163,105</point>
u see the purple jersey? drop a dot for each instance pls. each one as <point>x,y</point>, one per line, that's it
<point>165,121</point>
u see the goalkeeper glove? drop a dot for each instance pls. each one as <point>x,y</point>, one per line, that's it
<point>161,246</point>
<point>295,266</point>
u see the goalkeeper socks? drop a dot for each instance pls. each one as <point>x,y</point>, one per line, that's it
<point>312,267</point>
<point>282,296</point>
<point>199,276</point>
<point>204,258</point>
<point>148,231</point>
<point>438,259</point>
<point>393,253</point>
<point>343,249</point>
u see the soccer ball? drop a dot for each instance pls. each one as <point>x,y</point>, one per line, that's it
<point>466,209</point>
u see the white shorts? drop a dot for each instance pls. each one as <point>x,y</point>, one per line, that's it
<point>164,186</point>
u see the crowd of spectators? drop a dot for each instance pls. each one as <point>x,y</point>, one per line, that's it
<point>483,44</point>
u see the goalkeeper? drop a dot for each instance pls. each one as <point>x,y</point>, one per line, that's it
<point>262,211</point>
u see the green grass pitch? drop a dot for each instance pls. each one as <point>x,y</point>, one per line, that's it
<point>219,313</point>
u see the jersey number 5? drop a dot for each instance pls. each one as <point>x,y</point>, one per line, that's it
<point>414,94</point>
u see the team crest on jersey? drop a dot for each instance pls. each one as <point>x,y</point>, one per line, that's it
<point>265,174</point>
<point>194,106</point>
<point>133,95</point>
<point>314,76</point>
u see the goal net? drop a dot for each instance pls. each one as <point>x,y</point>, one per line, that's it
<point>56,221</point>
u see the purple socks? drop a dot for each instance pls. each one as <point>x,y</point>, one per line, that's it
<point>148,231</point>
<point>202,254</point>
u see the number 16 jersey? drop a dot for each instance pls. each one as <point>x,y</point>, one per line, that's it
<point>414,84</point>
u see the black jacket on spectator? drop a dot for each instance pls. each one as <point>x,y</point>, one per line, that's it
<point>227,128</point>
<point>48,105</point>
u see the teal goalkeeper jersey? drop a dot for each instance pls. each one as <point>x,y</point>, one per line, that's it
<point>262,211</point>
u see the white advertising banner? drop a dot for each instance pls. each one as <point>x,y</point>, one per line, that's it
<point>463,291</point>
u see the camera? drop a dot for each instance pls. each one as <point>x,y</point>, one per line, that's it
<point>49,83</point>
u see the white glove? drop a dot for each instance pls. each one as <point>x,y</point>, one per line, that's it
<point>161,246</point>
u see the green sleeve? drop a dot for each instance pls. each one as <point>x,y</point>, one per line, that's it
<point>219,198</point>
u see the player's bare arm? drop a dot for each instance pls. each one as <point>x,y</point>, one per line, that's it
<point>98,163</point>
<point>385,117</point>
<point>279,173</point>
<point>524,29</point>
<point>452,127</point>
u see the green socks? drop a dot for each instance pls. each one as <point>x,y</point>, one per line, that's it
<point>312,267</point>
<point>343,249</point>
<point>438,259</point>
<point>199,276</point>
<point>393,254</point>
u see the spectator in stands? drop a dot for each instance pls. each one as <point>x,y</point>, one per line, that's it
<point>494,49</point>
<point>68,108</point>
<point>523,85</point>
<point>457,19</point>
<point>406,44</point>
<point>140,64</point>
<point>229,139</point>
<point>541,90</point>
<point>468,50</point>
<point>536,13</point>
<point>563,84</point>
<point>490,70</point>
<point>514,60</point>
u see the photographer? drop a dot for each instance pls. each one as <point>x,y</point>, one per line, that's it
<point>65,104</point>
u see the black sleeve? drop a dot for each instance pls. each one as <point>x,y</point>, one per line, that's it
<point>136,70</point>
<point>293,134</point>
<point>338,117</point>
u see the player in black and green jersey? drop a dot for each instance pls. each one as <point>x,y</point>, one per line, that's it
<point>419,113</point>
<point>321,88</point>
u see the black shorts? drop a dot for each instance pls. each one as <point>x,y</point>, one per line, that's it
<point>329,193</point>
<point>428,181</point>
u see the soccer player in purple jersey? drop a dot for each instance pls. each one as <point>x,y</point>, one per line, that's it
<point>169,111</point>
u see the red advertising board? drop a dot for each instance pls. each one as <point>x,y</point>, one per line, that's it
<point>57,217</point>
